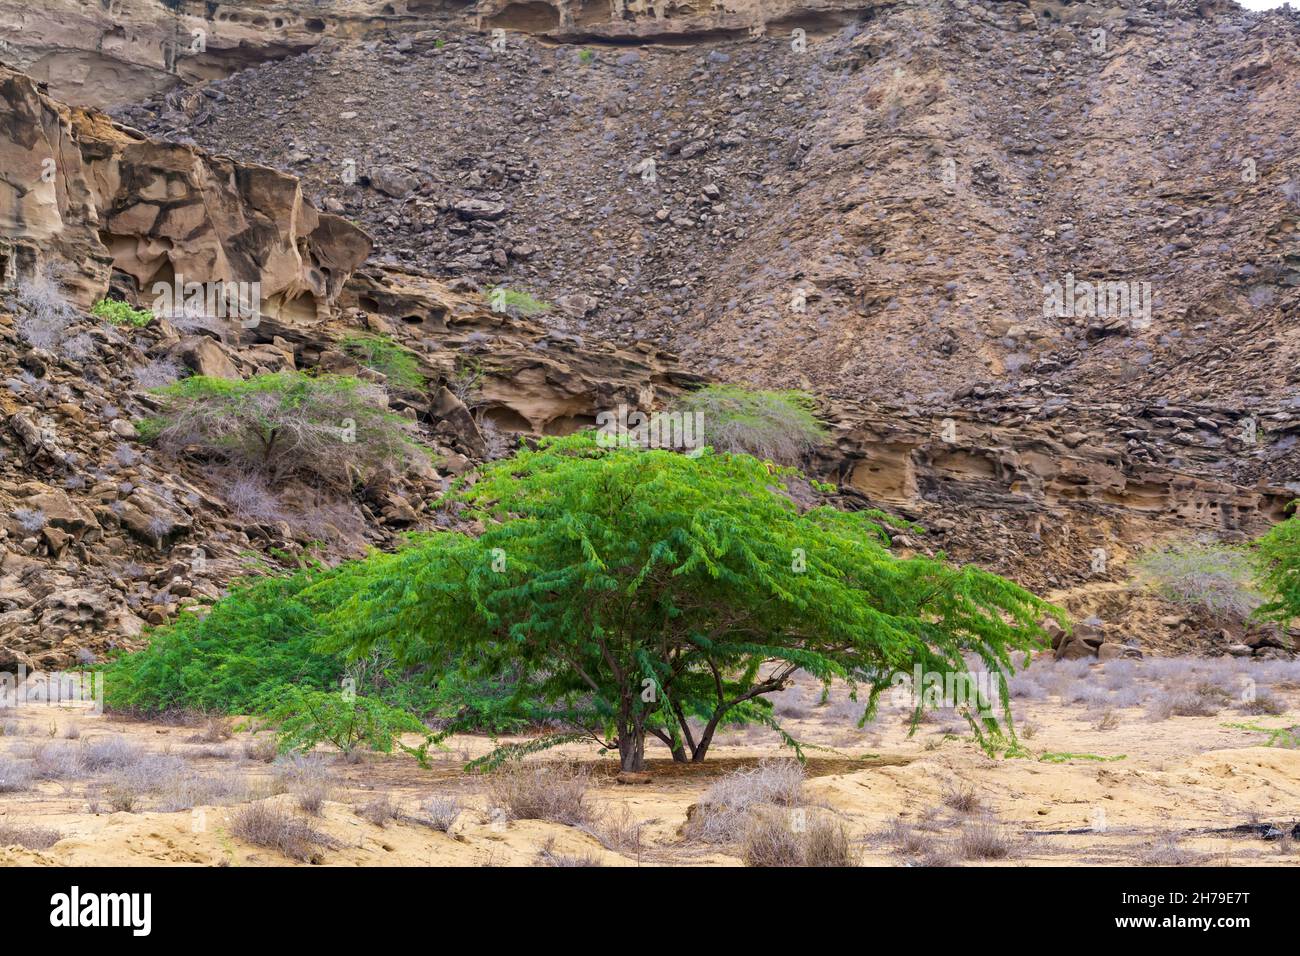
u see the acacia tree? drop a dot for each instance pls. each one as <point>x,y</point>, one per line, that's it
<point>1277,561</point>
<point>643,593</point>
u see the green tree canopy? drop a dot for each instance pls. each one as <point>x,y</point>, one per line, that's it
<point>1277,561</point>
<point>642,593</point>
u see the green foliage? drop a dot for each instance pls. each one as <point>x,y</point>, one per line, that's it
<point>382,354</point>
<point>502,299</point>
<point>779,426</point>
<point>1065,757</point>
<point>632,591</point>
<point>247,650</point>
<point>1213,577</point>
<point>466,380</point>
<point>586,57</point>
<point>306,718</point>
<point>334,429</point>
<point>1287,738</point>
<point>120,313</point>
<point>1277,564</point>
<point>260,641</point>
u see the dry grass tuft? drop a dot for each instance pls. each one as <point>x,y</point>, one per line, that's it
<point>906,839</point>
<point>722,814</point>
<point>380,811</point>
<point>15,777</point>
<point>270,826</point>
<point>542,790</point>
<point>795,838</point>
<point>262,749</point>
<point>985,840</point>
<point>549,857</point>
<point>440,812</point>
<point>29,837</point>
<point>307,778</point>
<point>962,797</point>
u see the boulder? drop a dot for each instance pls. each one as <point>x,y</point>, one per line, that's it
<point>206,356</point>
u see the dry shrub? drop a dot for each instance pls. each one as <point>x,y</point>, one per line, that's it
<point>906,839</point>
<point>1211,577</point>
<point>215,730</point>
<point>548,856</point>
<point>440,812</point>
<point>619,830</point>
<point>54,761</point>
<point>121,799</point>
<point>273,827</point>
<point>542,791</point>
<point>1166,852</point>
<point>1264,703</point>
<point>325,429</point>
<point>14,776</point>
<point>380,811</point>
<point>721,814</point>
<point>1108,720</point>
<point>30,837</point>
<point>108,753</point>
<point>985,840</point>
<point>190,789</point>
<point>1196,704</point>
<point>307,778</point>
<point>262,749</point>
<point>795,838</point>
<point>961,797</point>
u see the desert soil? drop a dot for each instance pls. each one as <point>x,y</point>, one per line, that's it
<point>1107,777</point>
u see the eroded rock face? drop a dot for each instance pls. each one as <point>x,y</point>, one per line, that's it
<point>107,52</point>
<point>47,208</point>
<point>647,20</point>
<point>1050,503</point>
<point>94,197</point>
<point>523,377</point>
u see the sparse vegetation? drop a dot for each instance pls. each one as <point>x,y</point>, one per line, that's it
<point>1214,578</point>
<point>15,777</point>
<point>502,299</point>
<point>326,429</point>
<point>117,312</point>
<point>440,812</point>
<point>382,354</point>
<point>307,778</point>
<point>43,313</point>
<point>379,811</point>
<point>29,837</point>
<point>962,797</point>
<point>795,838</point>
<point>268,825</point>
<point>542,790</point>
<point>721,815</point>
<point>985,840</point>
<point>776,426</point>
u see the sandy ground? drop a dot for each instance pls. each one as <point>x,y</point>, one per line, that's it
<point>1106,778</point>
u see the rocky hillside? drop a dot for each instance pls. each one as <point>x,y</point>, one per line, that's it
<point>869,201</point>
<point>101,533</point>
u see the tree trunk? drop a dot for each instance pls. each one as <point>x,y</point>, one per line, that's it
<point>631,750</point>
<point>706,737</point>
